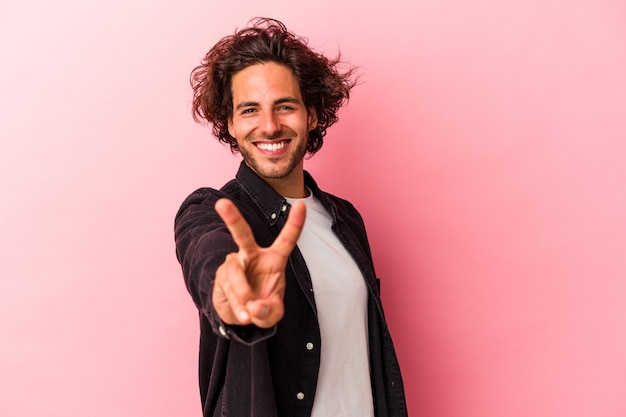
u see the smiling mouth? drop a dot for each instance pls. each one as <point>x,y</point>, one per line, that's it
<point>272,146</point>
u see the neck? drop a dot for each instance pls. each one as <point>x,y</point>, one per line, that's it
<point>290,187</point>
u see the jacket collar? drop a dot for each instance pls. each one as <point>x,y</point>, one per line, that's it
<point>272,205</point>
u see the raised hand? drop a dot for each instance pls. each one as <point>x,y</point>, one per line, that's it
<point>249,286</point>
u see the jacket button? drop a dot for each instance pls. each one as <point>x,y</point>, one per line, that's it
<point>273,216</point>
<point>222,330</point>
<point>300,396</point>
<point>309,346</point>
<point>283,208</point>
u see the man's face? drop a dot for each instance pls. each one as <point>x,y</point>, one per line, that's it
<point>270,122</point>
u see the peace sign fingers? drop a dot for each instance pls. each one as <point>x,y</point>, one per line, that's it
<point>249,286</point>
<point>243,236</point>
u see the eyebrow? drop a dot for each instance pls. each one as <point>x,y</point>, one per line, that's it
<point>281,100</point>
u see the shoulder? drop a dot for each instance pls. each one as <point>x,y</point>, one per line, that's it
<point>345,209</point>
<point>331,201</point>
<point>206,196</point>
<point>341,203</point>
<point>203,197</point>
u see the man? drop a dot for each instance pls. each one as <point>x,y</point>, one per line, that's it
<point>290,311</point>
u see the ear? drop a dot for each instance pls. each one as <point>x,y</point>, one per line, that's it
<point>312,118</point>
<point>231,127</point>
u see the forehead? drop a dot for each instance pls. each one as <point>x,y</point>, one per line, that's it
<point>264,81</point>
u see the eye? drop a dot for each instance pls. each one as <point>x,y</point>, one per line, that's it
<point>285,108</point>
<point>247,111</point>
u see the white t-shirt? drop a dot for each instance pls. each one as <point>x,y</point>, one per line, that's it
<point>343,386</point>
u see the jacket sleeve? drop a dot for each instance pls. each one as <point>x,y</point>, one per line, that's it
<point>202,243</point>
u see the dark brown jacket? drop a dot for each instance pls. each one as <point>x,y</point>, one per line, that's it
<point>249,371</point>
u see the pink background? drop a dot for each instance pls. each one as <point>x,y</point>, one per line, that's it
<point>485,148</point>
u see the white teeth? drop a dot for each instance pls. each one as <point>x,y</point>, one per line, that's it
<point>274,146</point>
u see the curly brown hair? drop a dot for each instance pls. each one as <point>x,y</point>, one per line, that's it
<point>324,87</point>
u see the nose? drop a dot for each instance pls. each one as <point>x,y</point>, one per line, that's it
<point>269,125</point>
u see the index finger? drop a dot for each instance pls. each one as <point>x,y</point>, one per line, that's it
<point>288,236</point>
<point>236,224</point>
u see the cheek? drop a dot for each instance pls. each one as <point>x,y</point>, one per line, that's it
<point>300,123</point>
<point>238,127</point>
